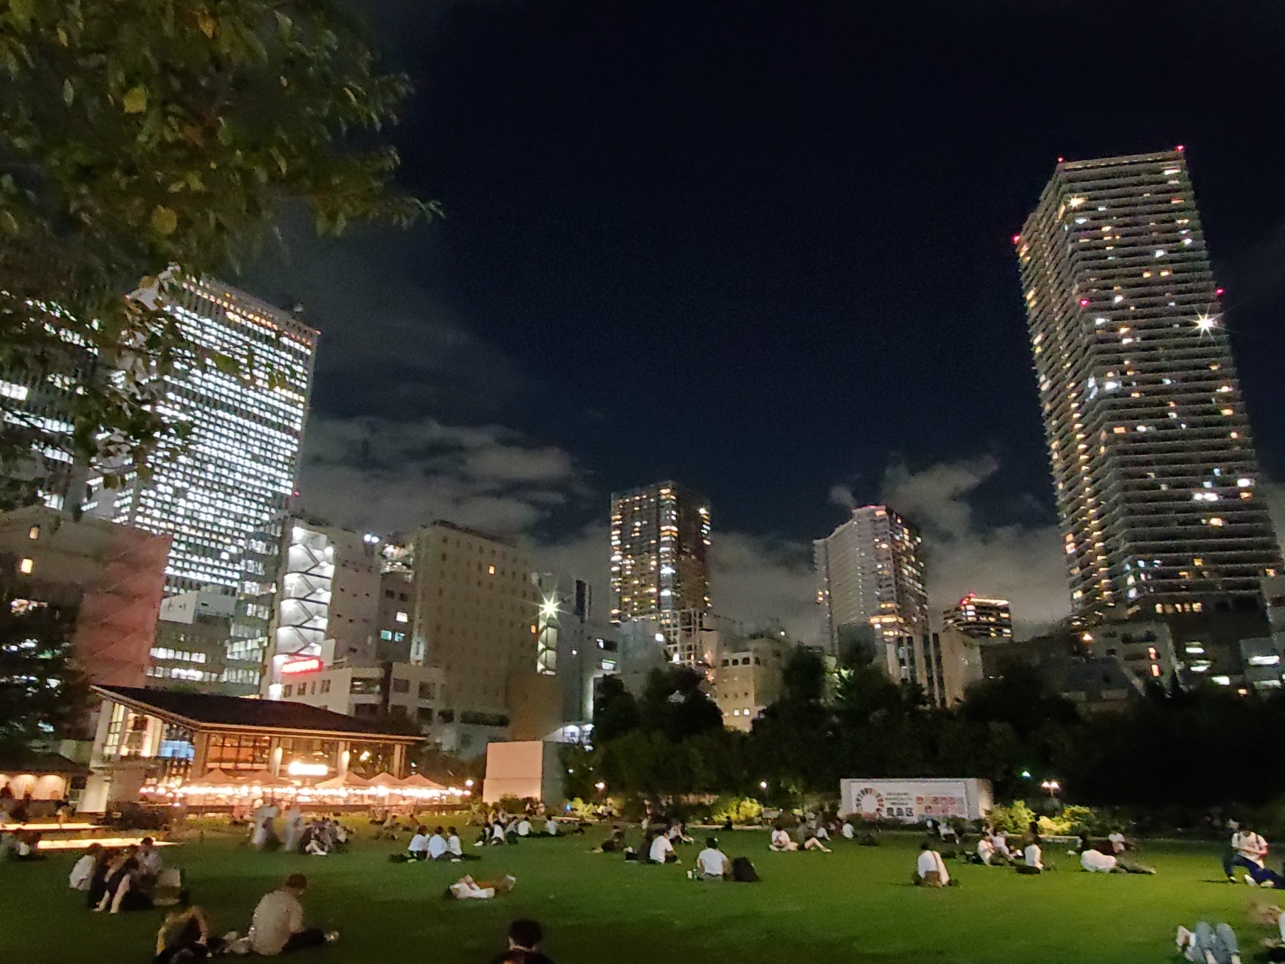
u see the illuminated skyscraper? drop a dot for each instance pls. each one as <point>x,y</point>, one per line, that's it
<point>980,618</point>
<point>869,574</point>
<point>1152,459</point>
<point>223,496</point>
<point>659,558</point>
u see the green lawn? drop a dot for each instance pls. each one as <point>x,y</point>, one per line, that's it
<point>853,905</point>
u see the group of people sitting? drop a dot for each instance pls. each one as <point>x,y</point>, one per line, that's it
<point>20,845</point>
<point>442,844</point>
<point>318,837</point>
<point>128,878</point>
<point>503,829</point>
<point>276,927</point>
<point>808,835</point>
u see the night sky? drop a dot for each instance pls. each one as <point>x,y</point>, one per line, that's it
<point>763,249</point>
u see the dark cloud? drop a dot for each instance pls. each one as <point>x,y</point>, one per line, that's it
<point>1021,563</point>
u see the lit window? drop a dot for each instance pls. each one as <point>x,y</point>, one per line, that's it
<point>33,533</point>
<point>490,570</point>
<point>26,566</point>
<point>402,617</point>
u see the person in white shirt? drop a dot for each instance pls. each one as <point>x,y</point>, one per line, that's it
<point>712,863</point>
<point>551,826</point>
<point>497,832</point>
<point>437,847</point>
<point>455,848</point>
<point>466,888</point>
<point>1117,841</point>
<point>264,820</point>
<point>277,926</point>
<point>662,851</point>
<point>292,830</point>
<point>999,840</point>
<point>985,851</point>
<point>417,849</point>
<point>1096,862</point>
<point>930,869</point>
<point>1248,850</point>
<point>849,831</point>
<point>780,841</point>
<point>82,874</point>
<point>524,827</point>
<point>1032,858</point>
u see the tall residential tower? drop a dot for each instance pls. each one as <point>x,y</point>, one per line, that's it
<point>659,558</point>
<point>869,574</point>
<point>1152,459</point>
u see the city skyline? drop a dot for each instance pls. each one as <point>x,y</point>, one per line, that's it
<point>868,340</point>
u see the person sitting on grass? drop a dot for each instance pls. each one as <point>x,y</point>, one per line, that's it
<point>615,844</point>
<point>812,842</point>
<point>849,831</point>
<point>28,846</point>
<point>497,832</point>
<point>466,888</point>
<point>82,874</point>
<point>712,863</point>
<point>277,926</point>
<point>438,849</point>
<point>1032,858</point>
<point>780,841</point>
<point>1096,862</point>
<point>551,826</point>
<point>1248,852</point>
<point>454,849</point>
<point>524,827</point>
<point>1118,844</point>
<point>985,852</point>
<point>999,840</point>
<point>525,938</point>
<point>417,849</point>
<point>930,869</point>
<point>678,833</point>
<point>185,936</point>
<point>661,851</point>
<point>1209,945</point>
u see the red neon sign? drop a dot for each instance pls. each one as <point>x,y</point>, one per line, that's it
<point>296,666</point>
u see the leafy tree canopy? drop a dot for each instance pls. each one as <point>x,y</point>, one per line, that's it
<point>141,134</point>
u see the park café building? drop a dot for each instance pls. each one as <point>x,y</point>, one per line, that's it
<point>205,749</point>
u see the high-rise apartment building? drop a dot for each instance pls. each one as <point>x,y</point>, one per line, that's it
<point>870,575</point>
<point>1147,431</point>
<point>659,558</point>
<point>473,615</point>
<point>223,495</point>
<point>980,617</point>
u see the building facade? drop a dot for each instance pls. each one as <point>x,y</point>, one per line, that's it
<point>980,617</point>
<point>869,574</point>
<point>222,496</point>
<point>943,664</point>
<point>660,537</point>
<point>1147,431</point>
<point>111,575</point>
<point>327,601</point>
<point>191,642</point>
<point>472,614</point>
<point>747,679</point>
<point>400,689</point>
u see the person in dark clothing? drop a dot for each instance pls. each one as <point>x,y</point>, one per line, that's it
<point>525,938</point>
<point>185,936</point>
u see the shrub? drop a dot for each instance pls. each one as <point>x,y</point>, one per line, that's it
<point>1015,818</point>
<point>737,809</point>
<point>1072,821</point>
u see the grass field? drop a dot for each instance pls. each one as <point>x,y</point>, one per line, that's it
<point>853,905</point>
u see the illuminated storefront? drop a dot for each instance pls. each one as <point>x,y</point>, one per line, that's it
<point>165,739</point>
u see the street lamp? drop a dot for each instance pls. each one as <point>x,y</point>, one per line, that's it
<point>1052,786</point>
<point>762,784</point>
<point>600,786</point>
<point>468,782</point>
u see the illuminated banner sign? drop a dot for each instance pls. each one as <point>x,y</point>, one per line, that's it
<point>296,666</point>
<point>911,801</point>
